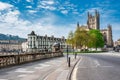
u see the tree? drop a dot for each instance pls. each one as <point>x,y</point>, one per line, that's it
<point>80,37</point>
<point>70,39</point>
<point>96,39</point>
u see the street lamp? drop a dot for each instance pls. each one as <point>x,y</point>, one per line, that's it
<point>68,58</point>
<point>67,52</point>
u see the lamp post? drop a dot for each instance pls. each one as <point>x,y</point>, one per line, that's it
<point>18,58</point>
<point>67,52</point>
<point>68,58</point>
<point>75,51</point>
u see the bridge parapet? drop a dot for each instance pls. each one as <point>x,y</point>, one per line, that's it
<point>9,60</point>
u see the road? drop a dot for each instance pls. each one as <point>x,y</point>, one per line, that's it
<point>105,66</point>
<point>47,69</point>
<point>38,70</point>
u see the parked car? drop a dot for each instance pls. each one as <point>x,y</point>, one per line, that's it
<point>117,48</point>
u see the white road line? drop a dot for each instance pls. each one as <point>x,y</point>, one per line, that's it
<point>3,79</point>
<point>22,70</point>
<point>74,75</point>
<point>44,65</point>
<point>107,66</point>
<point>38,67</point>
<point>22,75</point>
<point>97,63</point>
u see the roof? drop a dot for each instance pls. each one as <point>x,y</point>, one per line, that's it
<point>32,33</point>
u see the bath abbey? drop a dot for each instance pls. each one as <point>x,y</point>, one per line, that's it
<point>93,22</point>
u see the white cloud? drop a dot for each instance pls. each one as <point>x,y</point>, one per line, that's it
<point>75,12</point>
<point>47,7</point>
<point>64,11</point>
<point>47,2</point>
<point>32,11</point>
<point>5,6</point>
<point>11,23</point>
<point>28,6</point>
<point>29,0</point>
<point>67,7</point>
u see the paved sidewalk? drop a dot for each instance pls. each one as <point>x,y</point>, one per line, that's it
<point>48,69</point>
<point>63,72</point>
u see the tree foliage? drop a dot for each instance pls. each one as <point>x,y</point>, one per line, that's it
<point>81,37</point>
<point>70,39</point>
<point>96,39</point>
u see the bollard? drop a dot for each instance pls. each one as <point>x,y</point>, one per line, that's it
<point>75,55</point>
<point>69,62</point>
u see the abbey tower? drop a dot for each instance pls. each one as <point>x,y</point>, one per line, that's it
<point>93,22</point>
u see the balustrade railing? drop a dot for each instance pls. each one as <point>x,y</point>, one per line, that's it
<point>15,59</point>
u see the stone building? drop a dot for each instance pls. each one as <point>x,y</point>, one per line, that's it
<point>38,43</point>
<point>116,43</point>
<point>10,45</point>
<point>24,46</point>
<point>93,22</point>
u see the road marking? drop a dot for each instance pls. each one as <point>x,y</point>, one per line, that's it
<point>107,66</point>
<point>44,65</point>
<point>23,70</point>
<point>97,63</point>
<point>74,75</point>
<point>38,67</point>
<point>22,75</point>
<point>3,79</point>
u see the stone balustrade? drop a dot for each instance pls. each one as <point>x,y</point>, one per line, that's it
<point>15,59</point>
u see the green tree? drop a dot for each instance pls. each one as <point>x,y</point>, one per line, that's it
<point>81,37</point>
<point>70,39</point>
<point>96,39</point>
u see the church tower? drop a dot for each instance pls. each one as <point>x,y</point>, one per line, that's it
<point>109,37</point>
<point>93,22</point>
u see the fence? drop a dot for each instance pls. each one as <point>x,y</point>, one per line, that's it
<point>7,60</point>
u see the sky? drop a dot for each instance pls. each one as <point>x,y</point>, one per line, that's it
<point>55,17</point>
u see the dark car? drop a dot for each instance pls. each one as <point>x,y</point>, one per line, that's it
<point>117,48</point>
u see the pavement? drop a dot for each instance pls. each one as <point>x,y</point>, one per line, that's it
<point>97,66</point>
<point>47,69</point>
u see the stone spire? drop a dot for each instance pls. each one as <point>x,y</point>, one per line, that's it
<point>78,25</point>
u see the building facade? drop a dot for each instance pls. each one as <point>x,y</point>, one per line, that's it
<point>38,43</point>
<point>24,46</point>
<point>93,22</point>
<point>116,43</point>
<point>10,46</point>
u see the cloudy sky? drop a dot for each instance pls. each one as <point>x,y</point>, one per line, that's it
<point>55,17</point>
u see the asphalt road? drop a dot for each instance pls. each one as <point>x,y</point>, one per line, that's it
<point>47,69</point>
<point>38,70</point>
<point>105,66</point>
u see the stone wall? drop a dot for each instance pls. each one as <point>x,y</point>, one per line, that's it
<point>8,60</point>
